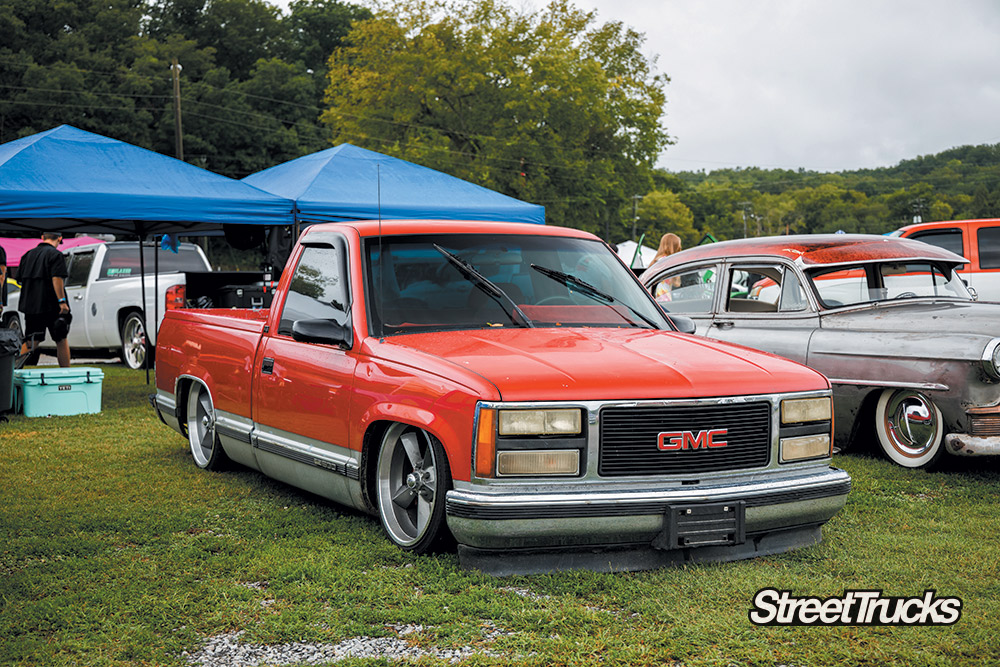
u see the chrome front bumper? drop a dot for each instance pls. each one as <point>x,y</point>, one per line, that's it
<point>503,521</point>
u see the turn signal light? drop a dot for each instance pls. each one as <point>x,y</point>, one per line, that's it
<point>486,443</point>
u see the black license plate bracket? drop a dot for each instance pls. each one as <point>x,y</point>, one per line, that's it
<point>711,524</point>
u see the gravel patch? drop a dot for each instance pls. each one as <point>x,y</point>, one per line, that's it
<point>226,650</point>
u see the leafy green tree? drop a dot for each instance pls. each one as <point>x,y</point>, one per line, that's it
<point>662,211</point>
<point>241,31</point>
<point>315,28</point>
<point>543,106</point>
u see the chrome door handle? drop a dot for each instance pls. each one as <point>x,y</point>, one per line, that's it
<point>78,297</point>
<point>724,325</point>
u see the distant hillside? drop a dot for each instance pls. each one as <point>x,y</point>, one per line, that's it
<point>961,182</point>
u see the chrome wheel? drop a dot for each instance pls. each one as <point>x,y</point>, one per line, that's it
<point>205,447</point>
<point>134,341</point>
<point>909,428</point>
<point>412,477</point>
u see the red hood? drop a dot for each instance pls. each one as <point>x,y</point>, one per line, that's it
<point>609,364</point>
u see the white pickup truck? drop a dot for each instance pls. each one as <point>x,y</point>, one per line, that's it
<point>104,288</point>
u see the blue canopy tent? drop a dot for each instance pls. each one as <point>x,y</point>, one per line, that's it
<point>73,181</point>
<point>351,183</point>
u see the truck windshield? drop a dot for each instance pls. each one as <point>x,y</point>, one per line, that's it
<point>415,284</point>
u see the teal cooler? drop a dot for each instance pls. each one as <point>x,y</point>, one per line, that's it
<point>42,392</point>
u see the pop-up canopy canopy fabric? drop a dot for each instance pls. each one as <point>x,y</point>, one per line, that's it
<point>351,183</point>
<point>71,181</point>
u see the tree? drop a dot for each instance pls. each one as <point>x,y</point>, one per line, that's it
<point>543,106</point>
<point>662,211</point>
<point>315,28</point>
<point>241,31</point>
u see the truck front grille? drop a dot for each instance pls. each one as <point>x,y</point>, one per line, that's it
<point>630,439</point>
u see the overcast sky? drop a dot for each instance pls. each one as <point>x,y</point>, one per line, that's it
<point>826,85</point>
<point>829,86</point>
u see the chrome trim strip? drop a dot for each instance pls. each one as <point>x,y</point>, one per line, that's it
<point>924,386</point>
<point>233,426</point>
<point>166,403</point>
<point>317,456</point>
<point>593,503</point>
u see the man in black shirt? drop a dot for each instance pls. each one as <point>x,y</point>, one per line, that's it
<point>42,274</point>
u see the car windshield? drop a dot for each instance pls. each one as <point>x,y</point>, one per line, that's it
<point>475,281</point>
<point>886,281</point>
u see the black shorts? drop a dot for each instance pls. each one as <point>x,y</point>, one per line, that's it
<point>35,327</point>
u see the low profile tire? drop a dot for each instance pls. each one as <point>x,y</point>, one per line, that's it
<point>205,446</point>
<point>909,427</point>
<point>134,347</point>
<point>412,478</point>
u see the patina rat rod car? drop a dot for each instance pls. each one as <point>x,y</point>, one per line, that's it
<point>513,386</point>
<point>888,320</point>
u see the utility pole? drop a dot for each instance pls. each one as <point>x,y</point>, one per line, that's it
<point>175,69</point>
<point>635,214</point>
<point>745,205</point>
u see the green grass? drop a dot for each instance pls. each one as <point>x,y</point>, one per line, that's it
<point>116,550</point>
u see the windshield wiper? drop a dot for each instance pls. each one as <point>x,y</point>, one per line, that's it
<point>485,285</point>
<point>588,290</point>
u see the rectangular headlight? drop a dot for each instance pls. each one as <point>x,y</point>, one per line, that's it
<point>540,422</point>
<point>796,410</point>
<point>541,462</point>
<point>805,447</point>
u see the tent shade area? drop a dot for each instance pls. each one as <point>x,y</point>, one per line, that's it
<point>351,183</point>
<point>72,181</point>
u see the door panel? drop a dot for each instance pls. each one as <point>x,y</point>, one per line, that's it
<point>78,267</point>
<point>302,391</point>
<point>765,307</point>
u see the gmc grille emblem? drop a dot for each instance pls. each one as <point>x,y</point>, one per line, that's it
<point>672,441</point>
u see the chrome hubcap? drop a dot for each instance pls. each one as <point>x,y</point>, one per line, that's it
<point>911,423</point>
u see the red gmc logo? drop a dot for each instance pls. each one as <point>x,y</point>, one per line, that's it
<point>672,441</point>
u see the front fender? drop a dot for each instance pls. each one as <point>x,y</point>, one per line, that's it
<point>444,408</point>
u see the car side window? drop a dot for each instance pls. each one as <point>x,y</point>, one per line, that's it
<point>842,286</point>
<point>754,289</point>
<point>687,291</point>
<point>318,289</point>
<point>988,239</point>
<point>79,268</point>
<point>793,296</point>
<point>949,239</point>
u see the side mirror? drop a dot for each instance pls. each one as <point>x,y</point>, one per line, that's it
<point>325,332</point>
<point>682,323</point>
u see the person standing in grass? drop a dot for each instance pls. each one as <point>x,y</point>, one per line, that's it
<point>43,273</point>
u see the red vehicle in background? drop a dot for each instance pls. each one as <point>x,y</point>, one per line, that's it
<point>976,240</point>
<point>511,387</point>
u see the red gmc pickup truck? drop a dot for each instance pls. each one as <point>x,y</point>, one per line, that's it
<point>509,387</point>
